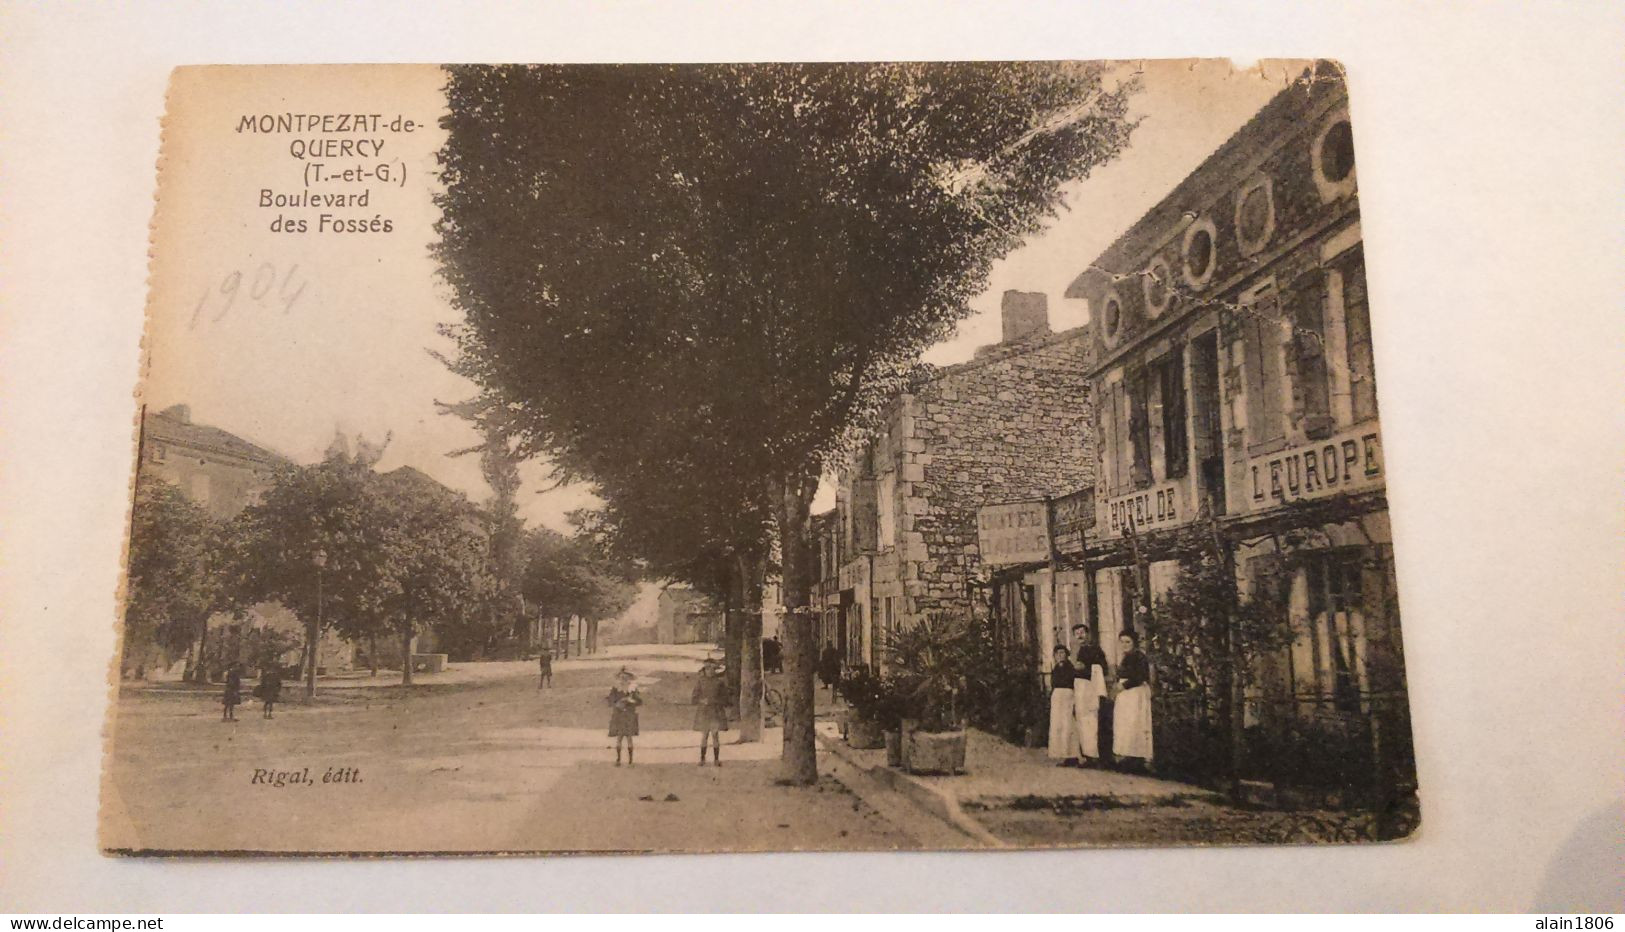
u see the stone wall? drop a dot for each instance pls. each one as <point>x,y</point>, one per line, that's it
<point>1012,424</point>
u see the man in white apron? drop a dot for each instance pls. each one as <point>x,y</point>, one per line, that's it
<point>1087,690</point>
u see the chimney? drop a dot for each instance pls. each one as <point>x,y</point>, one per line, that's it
<point>183,413</point>
<point>1026,314</point>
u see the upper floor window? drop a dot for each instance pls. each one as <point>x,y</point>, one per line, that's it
<point>1170,375</point>
<point>1200,252</point>
<point>1332,155</point>
<point>159,453</point>
<point>1112,318</point>
<point>1158,281</point>
<point>1255,215</point>
<point>1263,337</point>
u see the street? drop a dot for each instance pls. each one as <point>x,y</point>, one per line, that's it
<point>486,764</point>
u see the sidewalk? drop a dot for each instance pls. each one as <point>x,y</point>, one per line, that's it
<point>1006,789</point>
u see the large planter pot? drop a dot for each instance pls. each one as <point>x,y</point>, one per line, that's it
<point>905,732</point>
<point>935,751</point>
<point>864,734</point>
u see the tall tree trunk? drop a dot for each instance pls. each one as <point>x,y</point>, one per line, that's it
<point>406,655</point>
<point>750,569</point>
<point>733,631</point>
<point>792,501</point>
<point>200,670</point>
<point>313,632</point>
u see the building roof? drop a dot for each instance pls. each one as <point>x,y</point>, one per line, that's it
<point>1273,122</point>
<point>174,425</point>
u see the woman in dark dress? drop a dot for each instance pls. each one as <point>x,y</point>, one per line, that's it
<point>1131,717</point>
<point>829,666</point>
<point>234,692</point>
<point>623,701</point>
<point>270,688</point>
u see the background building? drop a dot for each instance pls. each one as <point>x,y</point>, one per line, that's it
<point>684,616</point>
<point>1012,423</point>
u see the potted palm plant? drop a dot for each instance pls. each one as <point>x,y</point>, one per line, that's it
<point>933,660</point>
<point>865,693</point>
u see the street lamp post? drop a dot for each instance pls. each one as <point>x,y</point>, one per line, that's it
<point>319,558</point>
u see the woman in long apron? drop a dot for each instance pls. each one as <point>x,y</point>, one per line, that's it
<point>1131,718</point>
<point>1087,692</point>
<point>1063,746</point>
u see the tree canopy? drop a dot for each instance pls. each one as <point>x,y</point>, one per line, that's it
<point>675,273</point>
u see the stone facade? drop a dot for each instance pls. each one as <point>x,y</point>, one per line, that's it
<point>1236,408</point>
<point>1013,423</point>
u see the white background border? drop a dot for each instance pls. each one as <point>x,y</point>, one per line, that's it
<point>1490,146</point>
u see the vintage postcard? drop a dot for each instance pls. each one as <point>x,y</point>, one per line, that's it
<point>758,457</point>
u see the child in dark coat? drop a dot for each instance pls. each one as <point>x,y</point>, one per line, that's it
<point>623,701</point>
<point>234,692</point>
<point>711,708</point>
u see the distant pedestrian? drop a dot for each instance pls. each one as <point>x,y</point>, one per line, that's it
<point>269,690</point>
<point>234,692</point>
<point>545,660</point>
<point>623,701</point>
<point>711,708</point>
<point>1087,691</point>
<point>1063,742</point>
<point>829,666</point>
<point>772,656</point>
<point>1131,717</point>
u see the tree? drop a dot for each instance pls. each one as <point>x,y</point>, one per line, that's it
<point>663,267</point>
<point>437,560</point>
<point>568,577</point>
<point>319,542</point>
<point>177,575</point>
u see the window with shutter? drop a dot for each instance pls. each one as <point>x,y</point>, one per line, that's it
<point>1139,426</point>
<point>1357,314</point>
<point>1175,446</point>
<point>1261,326</point>
<point>1311,391</point>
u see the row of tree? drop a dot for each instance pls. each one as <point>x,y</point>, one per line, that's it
<point>695,286</point>
<point>370,556</point>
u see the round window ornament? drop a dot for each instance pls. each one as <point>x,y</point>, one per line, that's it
<point>1158,281</point>
<point>1255,215</point>
<point>1201,253</point>
<point>1111,319</point>
<point>1332,156</point>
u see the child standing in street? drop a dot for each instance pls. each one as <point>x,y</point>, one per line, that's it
<point>623,701</point>
<point>234,692</point>
<point>711,708</point>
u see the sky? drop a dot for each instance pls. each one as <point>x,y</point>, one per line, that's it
<point>285,338</point>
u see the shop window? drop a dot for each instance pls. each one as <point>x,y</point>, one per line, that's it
<point>1332,156</point>
<point>1261,327</point>
<point>1255,215</point>
<point>1158,281</point>
<point>1337,626</point>
<point>1200,253</point>
<point>1171,383</point>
